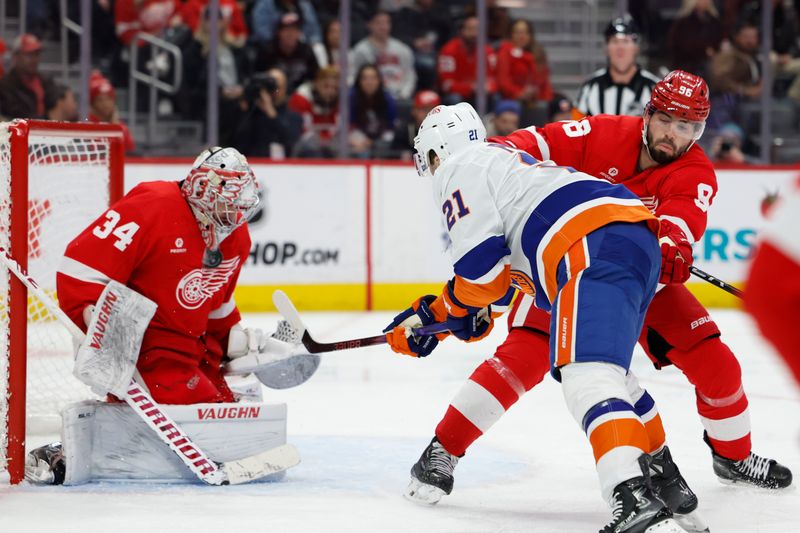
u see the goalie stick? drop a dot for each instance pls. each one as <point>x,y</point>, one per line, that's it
<point>289,312</point>
<point>213,473</point>
<point>705,276</point>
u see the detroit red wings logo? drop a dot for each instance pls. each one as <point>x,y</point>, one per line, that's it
<point>650,202</point>
<point>202,283</point>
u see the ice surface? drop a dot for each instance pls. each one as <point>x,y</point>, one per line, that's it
<point>364,418</point>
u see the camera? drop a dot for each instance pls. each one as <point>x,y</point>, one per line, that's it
<point>725,147</point>
<point>257,83</point>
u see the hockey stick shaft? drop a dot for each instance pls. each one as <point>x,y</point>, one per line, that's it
<point>705,276</point>
<point>289,312</point>
<point>314,346</point>
<point>167,430</point>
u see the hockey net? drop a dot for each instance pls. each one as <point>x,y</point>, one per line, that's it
<point>55,178</point>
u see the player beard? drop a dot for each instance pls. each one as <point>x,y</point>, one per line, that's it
<point>660,156</point>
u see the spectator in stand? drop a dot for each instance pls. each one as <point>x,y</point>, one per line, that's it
<point>623,87</point>
<point>289,53</point>
<point>561,108</point>
<point>735,75</point>
<point>266,15</point>
<point>403,138</point>
<point>149,16</point>
<point>103,106</point>
<point>60,104</point>
<point>695,36</point>
<point>519,75</point>
<point>317,103</point>
<point>728,146</point>
<point>394,59</point>
<point>458,68</point>
<point>423,26</point>
<point>327,52</point>
<point>373,113</point>
<point>236,33</point>
<point>505,119</point>
<point>499,22</point>
<point>132,17</point>
<point>233,68</point>
<point>270,128</point>
<point>361,12</point>
<point>23,88</point>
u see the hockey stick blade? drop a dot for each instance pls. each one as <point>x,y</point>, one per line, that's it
<point>727,287</point>
<point>261,465</point>
<point>289,312</point>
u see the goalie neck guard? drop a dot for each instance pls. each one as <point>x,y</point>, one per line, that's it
<point>222,192</point>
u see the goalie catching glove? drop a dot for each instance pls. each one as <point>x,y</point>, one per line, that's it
<point>279,360</point>
<point>467,323</point>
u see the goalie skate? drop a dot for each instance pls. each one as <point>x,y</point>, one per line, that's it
<point>432,475</point>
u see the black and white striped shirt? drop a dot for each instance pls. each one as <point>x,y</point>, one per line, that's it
<point>599,94</point>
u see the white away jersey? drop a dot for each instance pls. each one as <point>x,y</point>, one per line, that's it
<point>512,218</point>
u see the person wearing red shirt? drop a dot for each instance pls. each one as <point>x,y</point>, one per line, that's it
<point>149,16</point>
<point>317,103</point>
<point>655,156</point>
<point>103,106</point>
<point>236,32</point>
<point>519,75</point>
<point>458,66</point>
<point>772,293</point>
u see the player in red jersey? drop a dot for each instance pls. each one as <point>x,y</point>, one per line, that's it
<point>773,287</point>
<point>181,244</point>
<point>655,156</point>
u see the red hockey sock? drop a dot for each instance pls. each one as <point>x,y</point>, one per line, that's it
<point>714,371</point>
<point>517,366</point>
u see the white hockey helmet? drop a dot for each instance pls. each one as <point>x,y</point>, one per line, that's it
<point>446,130</point>
<point>222,192</point>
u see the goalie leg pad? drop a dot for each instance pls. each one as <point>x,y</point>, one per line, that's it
<point>109,442</point>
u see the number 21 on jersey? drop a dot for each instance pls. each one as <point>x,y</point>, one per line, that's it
<point>123,233</point>
<point>449,213</point>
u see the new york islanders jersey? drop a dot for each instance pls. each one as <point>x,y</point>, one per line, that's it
<point>511,219</point>
<point>607,147</point>
<point>150,241</point>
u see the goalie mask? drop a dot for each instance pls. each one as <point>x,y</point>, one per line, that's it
<point>222,192</point>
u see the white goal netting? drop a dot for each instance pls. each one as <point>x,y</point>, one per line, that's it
<point>68,187</point>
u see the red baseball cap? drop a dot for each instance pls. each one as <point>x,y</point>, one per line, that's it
<point>427,99</point>
<point>98,85</point>
<point>27,42</point>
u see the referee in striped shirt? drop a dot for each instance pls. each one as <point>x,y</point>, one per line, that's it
<point>623,87</point>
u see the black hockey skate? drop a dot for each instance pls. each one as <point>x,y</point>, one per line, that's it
<point>45,465</point>
<point>752,470</point>
<point>432,475</point>
<point>637,509</point>
<point>670,486</point>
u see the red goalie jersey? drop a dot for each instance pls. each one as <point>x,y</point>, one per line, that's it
<point>150,241</point>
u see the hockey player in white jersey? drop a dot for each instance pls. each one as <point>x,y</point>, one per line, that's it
<point>581,246</point>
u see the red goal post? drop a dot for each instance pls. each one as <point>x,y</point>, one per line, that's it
<point>55,178</point>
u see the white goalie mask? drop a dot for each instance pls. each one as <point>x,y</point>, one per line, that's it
<point>446,130</point>
<point>222,192</point>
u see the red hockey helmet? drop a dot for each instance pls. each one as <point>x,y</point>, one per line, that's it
<point>683,95</point>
